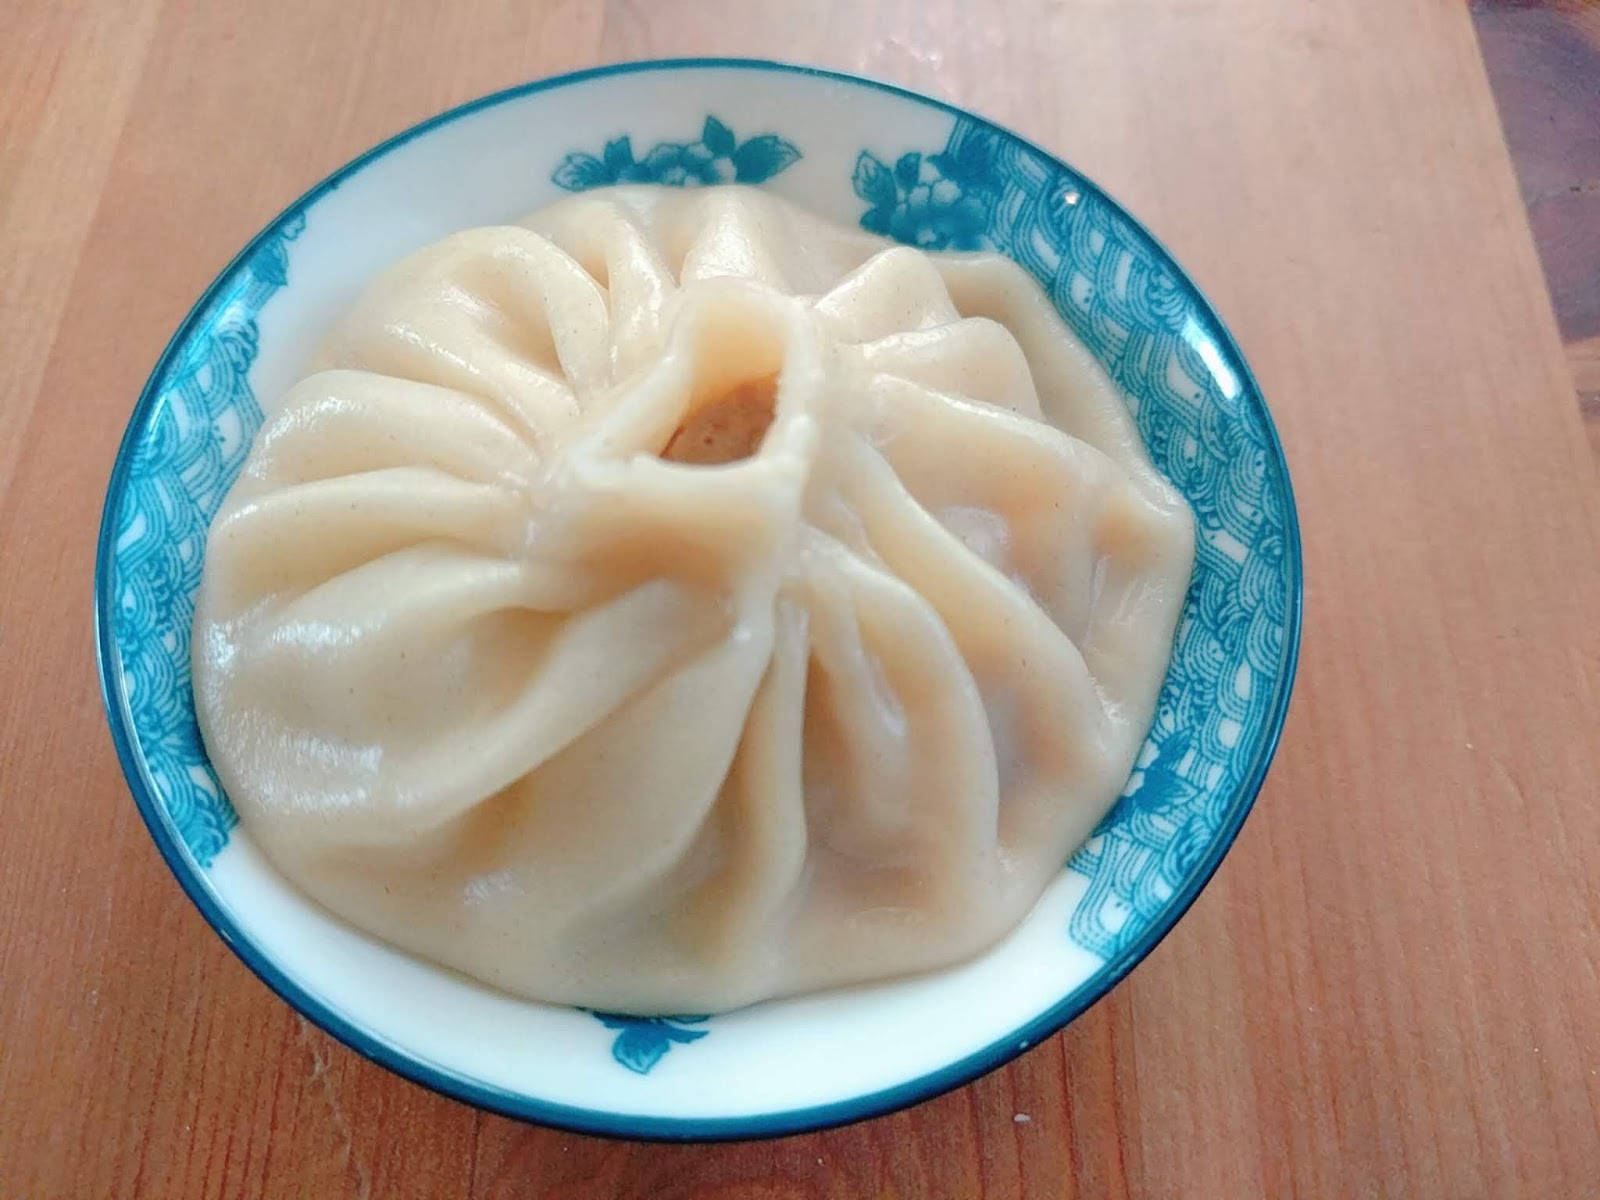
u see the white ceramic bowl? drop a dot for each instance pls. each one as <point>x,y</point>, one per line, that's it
<point>859,152</point>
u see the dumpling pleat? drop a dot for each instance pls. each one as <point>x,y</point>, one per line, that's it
<point>288,538</point>
<point>605,239</point>
<point>500,313</point>
<point>893,292</point>
<point>348,422</point>
<point>973,357</point>
<point>460,690</point>
<point>888,684</point>
<point>1079,399</point>
<point>1043,708</point>
<point>1104,557</point>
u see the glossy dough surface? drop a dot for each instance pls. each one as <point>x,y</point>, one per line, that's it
<point>675,600</point>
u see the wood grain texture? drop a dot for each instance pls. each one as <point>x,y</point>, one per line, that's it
<point>1543,59</point>
<point>1393,986</point>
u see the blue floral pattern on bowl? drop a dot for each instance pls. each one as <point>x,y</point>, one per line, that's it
<point>941,201</point>
<point>718,157</point>
<point>643,1041</point>
<point>983,189</point>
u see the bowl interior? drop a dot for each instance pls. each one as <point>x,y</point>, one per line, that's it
<point>857,152</point>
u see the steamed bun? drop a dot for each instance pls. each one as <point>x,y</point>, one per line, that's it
<point>675,600</point>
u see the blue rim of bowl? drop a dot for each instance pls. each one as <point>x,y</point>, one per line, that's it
<point>600,1121</point>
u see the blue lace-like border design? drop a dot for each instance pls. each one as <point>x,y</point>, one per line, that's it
<point>200,429</point>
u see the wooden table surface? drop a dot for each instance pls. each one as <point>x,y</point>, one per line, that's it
<point>1543,59</point>
<point>1393,986</point>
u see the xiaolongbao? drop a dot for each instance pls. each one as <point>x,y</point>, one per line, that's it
<point>675,600</point>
